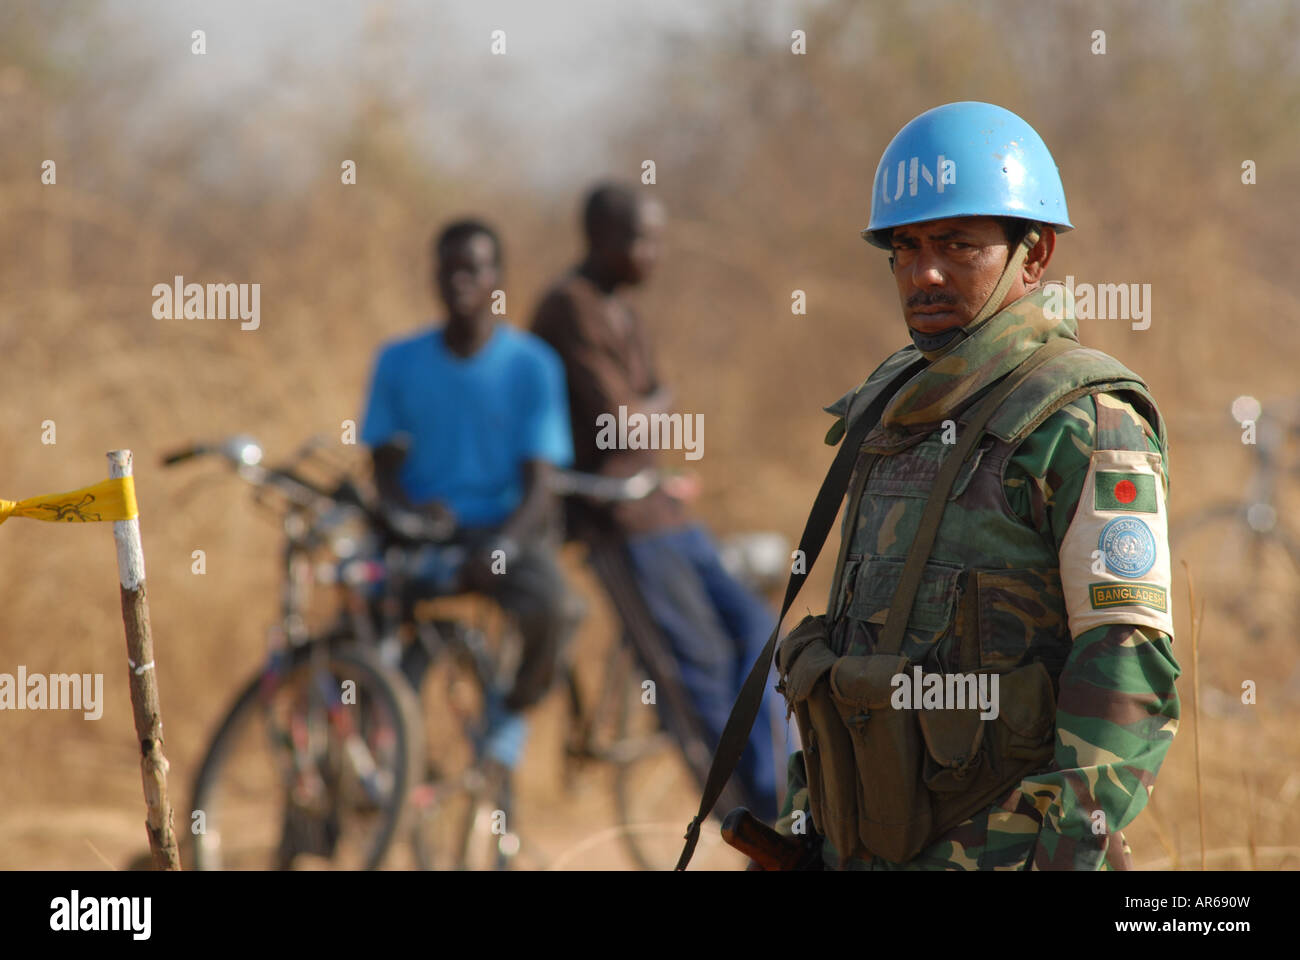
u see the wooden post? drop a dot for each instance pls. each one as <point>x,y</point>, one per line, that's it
<point>144,680</point>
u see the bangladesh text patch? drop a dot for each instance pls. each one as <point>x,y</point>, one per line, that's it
<point>1151,595</point>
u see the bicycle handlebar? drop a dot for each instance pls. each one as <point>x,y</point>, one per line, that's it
<point>244,454</point>
<point>180,456</point>
<point>592,486</point>
<point>411,527</point>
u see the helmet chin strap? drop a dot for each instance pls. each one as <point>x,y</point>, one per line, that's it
<point>935,345</point>
<point>931,343</point>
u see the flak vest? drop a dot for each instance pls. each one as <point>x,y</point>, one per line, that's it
<point>887,781</point>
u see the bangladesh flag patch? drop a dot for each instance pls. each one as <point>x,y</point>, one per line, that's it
<point>1135,492</point>
<point>1105,595</point>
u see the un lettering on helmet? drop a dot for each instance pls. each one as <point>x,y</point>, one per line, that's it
<point>967,159</point>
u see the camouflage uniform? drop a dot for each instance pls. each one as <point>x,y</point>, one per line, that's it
<point>1031,518</point>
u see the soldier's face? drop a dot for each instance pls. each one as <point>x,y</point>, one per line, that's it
<point>946,269</point>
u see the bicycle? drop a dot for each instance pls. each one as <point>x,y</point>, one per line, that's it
<point>375,777</point>
<point>335,779</point>
<point>341,784</point>
<point>1244,561</point>
<point>659,755</point>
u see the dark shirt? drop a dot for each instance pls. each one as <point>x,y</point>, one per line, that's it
<point>607,364</point>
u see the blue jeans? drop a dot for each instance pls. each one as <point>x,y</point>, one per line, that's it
<point>716,629</point>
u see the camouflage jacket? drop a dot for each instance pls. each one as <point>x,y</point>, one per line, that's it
<point>1053,547</point>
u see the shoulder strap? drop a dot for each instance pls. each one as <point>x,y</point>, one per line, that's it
<point>857,485</point>
<point>735,734</point>
<point>900,608</point>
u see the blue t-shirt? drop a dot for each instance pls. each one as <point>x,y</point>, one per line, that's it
<point>473,421</point>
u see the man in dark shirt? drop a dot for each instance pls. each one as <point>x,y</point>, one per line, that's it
<point>713,626</point>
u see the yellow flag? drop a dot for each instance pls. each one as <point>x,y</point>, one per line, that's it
<point>106,500</point>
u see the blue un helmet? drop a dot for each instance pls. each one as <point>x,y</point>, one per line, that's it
<point>966,159</point>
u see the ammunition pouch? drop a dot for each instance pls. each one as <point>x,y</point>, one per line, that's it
<point>889,782</point>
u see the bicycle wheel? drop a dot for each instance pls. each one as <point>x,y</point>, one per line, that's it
<point>655,792</point>
<point>463,823</point>
<point>1244,566</point>
<point>311,767</point>
<point>462,810</point>
<point>595,722</point>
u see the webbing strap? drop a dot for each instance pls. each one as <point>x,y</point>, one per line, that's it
<point>735,733</point>
<point>900,608</point>
<point>857,484</point>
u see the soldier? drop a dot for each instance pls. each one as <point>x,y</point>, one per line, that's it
<point>1005,533</point>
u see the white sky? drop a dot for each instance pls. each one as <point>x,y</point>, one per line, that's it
<point>562,59</point>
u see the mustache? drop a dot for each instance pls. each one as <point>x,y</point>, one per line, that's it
<point>923,299</point>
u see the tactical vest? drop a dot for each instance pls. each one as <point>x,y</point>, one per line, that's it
<point>888,782</point>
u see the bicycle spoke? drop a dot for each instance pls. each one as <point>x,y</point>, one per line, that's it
<point>301,777</point>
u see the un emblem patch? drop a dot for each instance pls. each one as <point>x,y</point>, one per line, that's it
<point>1128,546</point>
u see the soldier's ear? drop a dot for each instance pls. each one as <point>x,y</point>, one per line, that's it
<point>1040,255</point>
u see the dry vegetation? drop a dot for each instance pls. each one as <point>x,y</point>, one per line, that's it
<point>765,162</point>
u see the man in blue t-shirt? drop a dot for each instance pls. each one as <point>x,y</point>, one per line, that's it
<point>466,422</point>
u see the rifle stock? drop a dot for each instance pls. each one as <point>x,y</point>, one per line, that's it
<point>763,845</point>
